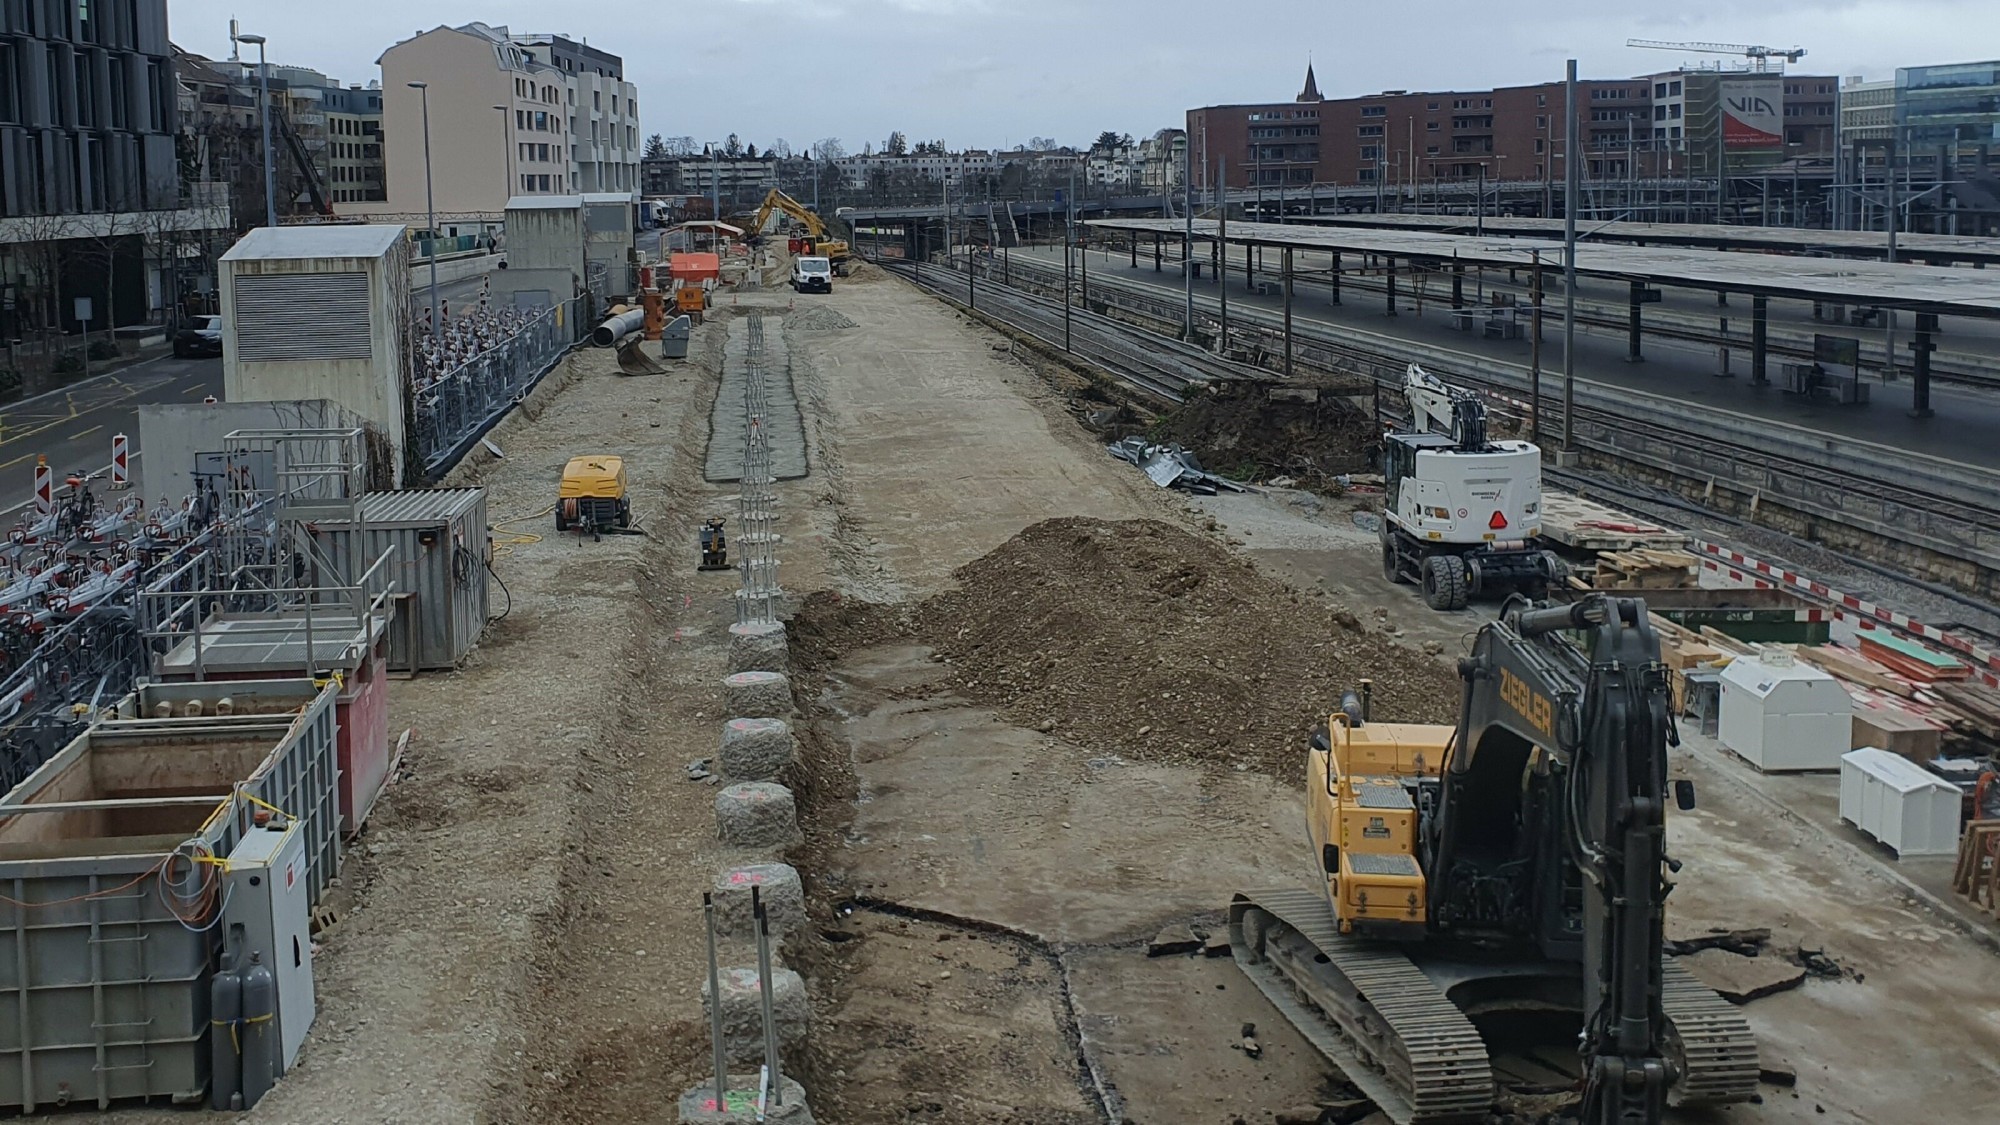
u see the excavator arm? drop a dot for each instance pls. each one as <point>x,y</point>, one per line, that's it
<point>778,201</point>
<point>1437,407</point>
<point>1551,824</point>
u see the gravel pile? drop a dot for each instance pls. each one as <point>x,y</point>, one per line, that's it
<point>1138,639</point>
<point>820,319</point>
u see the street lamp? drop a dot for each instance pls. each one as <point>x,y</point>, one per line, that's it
<point>430,210</point>
<point>264,111</point>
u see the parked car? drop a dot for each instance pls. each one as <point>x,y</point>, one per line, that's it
<point>202,335</point>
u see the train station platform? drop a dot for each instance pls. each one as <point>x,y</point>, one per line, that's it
<point>1960,429</point>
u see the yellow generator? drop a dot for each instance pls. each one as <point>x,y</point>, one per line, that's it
<point>1363,822</point>
<point>592,497</point>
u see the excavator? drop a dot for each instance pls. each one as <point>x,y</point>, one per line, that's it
<point>1464,510</point>
<point>811,240</point>
<point>1510,867</point>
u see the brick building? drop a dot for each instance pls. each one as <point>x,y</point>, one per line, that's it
<point>1661,124</point>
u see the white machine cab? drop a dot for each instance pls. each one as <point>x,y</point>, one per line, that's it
<point>1464,512</point>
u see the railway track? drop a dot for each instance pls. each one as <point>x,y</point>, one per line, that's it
<point>1907,508</point>
<point>1163,368</point>
<point>1781,343</point>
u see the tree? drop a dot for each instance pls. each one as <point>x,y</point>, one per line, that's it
<point>1106,141</point>
<point>897,144</point>
<point>1041,144</point>
<point>656,148</point>
<point>42,239</point>
<point>828,150</point>
<point>779,149</point>
<point>681,146</point>
<point>750,153</point>
<point>733,147</point>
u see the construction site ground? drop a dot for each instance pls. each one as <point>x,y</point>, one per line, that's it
<point>1012,780</point>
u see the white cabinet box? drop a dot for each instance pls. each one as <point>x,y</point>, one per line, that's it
<point>1900,803</point>
<point>1781,715</point>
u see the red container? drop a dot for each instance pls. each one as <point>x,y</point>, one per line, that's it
<point>693,269</point>
<point>361,711</point>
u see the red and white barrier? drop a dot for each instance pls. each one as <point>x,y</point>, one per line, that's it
<point>121,462</point>
<point>45,486</point>
<point>1850,615</point>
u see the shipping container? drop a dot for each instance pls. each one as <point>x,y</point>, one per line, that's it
<point>104,970</point>
<point>438,571</point>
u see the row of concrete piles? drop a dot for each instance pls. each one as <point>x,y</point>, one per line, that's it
<point>757,1007</point>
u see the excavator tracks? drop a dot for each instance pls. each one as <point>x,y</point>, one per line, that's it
<point>1367,1008</point>
<point>1709,1042</point>
<point>1401,1040</point>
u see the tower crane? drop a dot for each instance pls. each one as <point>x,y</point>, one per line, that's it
<point>1759,56</point>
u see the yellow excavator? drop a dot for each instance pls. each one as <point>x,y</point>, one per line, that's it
<point>811,239</point>
<point>1511,867</point>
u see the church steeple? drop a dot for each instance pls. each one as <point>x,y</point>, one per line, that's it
<point>1311,92</point>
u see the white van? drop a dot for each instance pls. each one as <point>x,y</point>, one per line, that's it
<point>812,275</point>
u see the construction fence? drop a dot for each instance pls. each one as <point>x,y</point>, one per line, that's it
<point>455,407</point>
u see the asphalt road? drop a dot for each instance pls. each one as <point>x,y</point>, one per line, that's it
<point>73,426</point>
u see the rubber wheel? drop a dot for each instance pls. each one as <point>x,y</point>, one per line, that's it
<point>1390,568</point>
<point>624,513</point>
<point>1444,582</point>
<point>561,523</point>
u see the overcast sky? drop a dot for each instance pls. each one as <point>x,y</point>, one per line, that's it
<point>989,73</point>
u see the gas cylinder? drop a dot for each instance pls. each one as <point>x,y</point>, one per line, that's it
<point>225,1003</point>
<point>260,1029</point>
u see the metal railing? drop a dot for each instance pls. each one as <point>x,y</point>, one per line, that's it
<point>205,606</point>
<point>456,407</point>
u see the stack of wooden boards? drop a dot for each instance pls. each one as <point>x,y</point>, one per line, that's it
<point>1921,704</point>
<point>1914,700</point>
<point>1683,650</point>
<point>1645,569</point>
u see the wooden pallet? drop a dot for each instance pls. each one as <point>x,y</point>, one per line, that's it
<point>1586,525</point>
<point>1977,877</point>
<point>1645,568</point>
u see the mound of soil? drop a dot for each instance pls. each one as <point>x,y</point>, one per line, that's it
<point>1239,430</point>
<point>1138,639</point>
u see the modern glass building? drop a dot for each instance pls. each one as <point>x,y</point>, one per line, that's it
<point>1952,106</point>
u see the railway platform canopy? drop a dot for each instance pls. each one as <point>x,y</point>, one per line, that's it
<point>1927,249</point>
<point>1925,292</point>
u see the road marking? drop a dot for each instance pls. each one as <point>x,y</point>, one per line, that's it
<point>85,433</point>
<point>16,461</point>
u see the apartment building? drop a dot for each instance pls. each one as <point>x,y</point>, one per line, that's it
<point>509,115</point>
<point>353,164</point>
<point>735,180</point>
<point>1163,161</point>
<point>1649,125</point>
<point>603,110</point>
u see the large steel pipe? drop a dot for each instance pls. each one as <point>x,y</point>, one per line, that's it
<point>618,327</point>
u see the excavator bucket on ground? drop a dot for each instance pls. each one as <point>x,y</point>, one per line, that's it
<point>633,360</point>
